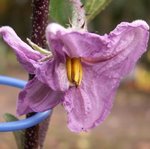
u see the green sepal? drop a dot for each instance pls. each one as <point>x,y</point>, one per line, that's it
<point>94,7</point>
<point>19,135</point>
<point>60,11</point>
<point>37,48</point>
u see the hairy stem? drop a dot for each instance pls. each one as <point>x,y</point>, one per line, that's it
<point>40,11</point>
<point>39,21</point>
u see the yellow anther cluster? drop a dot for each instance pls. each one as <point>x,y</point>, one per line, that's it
<point>74,70</point>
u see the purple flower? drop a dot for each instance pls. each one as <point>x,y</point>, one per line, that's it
<point>83,73</point>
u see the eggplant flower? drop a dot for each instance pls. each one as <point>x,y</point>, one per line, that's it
<point>82,71</point>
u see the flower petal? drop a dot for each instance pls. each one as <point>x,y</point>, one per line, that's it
<point>131,45</point>
<point>89,104</point>
<point>106,60</point>
<point>37,97</point>
<point>94,47</point>
<point>25,54</point>
<point>53,73</point>
<point>53,39</point>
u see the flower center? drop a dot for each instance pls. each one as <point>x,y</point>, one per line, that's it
<point>74,70</point>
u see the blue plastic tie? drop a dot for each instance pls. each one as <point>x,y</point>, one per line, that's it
<point>24,123</point>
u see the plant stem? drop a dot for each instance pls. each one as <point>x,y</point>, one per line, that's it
<point>39,21</point>
<point>40,11</point>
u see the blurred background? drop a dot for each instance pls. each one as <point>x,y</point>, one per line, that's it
<point>127,127</point>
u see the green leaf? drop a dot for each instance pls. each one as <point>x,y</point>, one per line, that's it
<point>19,135</point>
<point>60,11</point>
<point>94,7</point>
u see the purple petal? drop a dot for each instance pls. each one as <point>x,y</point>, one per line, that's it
<point>53,73</point>
<point>133,40</point>
<point>25,54</point>
<point>37,97</point>
<point>89,45</point>
<point>54,42</point>
<point>89,104</point>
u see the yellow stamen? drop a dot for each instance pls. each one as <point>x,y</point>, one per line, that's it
<point>74,70</point>
<point>68,65</point>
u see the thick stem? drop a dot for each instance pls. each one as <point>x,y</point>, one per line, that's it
<point>31,136</point>
<point>39,21</point>
<point>40,10</point>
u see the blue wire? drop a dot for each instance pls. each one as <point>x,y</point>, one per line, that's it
<point>24,123</point>
<point>4,80</point>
